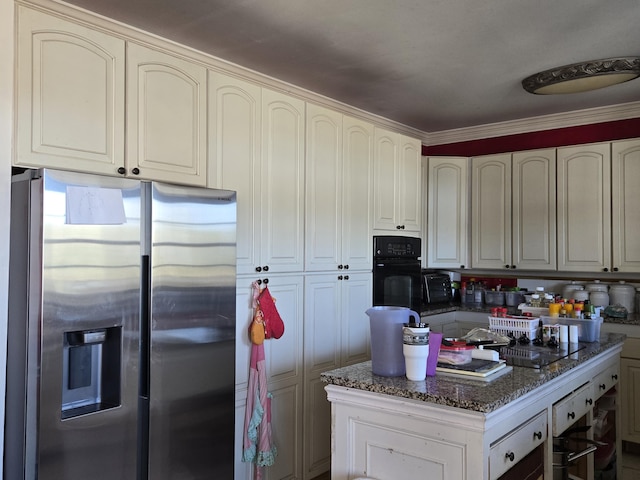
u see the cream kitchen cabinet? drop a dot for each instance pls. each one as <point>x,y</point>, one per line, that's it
<point>584,208</point>
<point>285,375</point>
<point>338,192</point>
<point>77,89</point>
<point>70,95</point>
<point>336,334</point>
<point>630,390</point>
<point>447,228</point>
<point>257,149</point>
<point>166,117</point>
<point>625,198</point>
<point>396,183</point>
<point>514,211</point>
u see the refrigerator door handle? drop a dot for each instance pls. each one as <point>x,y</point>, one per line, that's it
<point>144,385</point>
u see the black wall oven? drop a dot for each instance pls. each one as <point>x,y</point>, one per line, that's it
<point>397,279</point>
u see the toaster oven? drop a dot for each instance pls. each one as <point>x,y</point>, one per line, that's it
<point>436,288</point>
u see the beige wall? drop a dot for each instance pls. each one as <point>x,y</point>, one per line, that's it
<point>6,135</point>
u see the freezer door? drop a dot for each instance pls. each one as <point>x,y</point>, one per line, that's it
<point>192,352</point>
<point>88,326</point>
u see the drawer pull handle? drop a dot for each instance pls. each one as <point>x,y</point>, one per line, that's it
<point>614,376</point>
<point>589,401</point>
<point>537,435</point>
<point>603,386</point>
<point>571,415</point>
<point>510,456</point>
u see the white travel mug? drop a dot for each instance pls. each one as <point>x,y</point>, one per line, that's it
<point>416,350</point>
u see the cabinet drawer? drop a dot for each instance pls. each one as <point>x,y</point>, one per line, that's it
<point>571,408</point>
<point>512,448</point>
<point>605,380</point>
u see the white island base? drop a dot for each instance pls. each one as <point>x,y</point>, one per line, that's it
<point>388,437</point>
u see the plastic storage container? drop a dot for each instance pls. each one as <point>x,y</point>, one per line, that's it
<point>494,297</point>
<point>457,354</point>
<point>513,299</point>
<point>588,329</point>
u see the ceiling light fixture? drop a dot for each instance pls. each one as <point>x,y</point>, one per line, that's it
<point>583,77</point>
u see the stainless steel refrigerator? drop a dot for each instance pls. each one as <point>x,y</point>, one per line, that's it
<point>121,330</point>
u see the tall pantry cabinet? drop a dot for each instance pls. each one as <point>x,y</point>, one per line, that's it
<point>257,149</point>
<point>338,279</point>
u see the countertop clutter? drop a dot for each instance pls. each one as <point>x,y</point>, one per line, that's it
<point>466,393</point>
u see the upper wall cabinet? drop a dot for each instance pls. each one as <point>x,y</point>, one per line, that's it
<point>447,219</point>
<point>491,211</point>
<point>70,95</point>
<point>338,191</point>
<point>584,208</point>
<point>533,210</point>
<point>257,149</point>
<point>514,211</point>
<point>626,205</point>
<point>396,183</point>
<point>166,117</point>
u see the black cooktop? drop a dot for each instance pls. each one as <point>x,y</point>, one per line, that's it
<point>532,356</point>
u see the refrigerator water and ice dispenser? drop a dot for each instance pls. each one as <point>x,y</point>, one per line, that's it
<point>91,371</point>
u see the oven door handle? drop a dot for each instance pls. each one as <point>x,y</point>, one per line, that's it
<point>574,456</point>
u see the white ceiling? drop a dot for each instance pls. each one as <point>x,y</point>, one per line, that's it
<point>433,65</point>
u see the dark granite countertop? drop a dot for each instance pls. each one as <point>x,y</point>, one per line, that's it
<point>467,393</point>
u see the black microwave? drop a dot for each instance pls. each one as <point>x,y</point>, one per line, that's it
<point>436,288</point>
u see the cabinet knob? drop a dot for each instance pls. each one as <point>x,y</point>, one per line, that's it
<point>571,415</point>
<point>258,269</point>
<point>400,227</point>
<point>259,282</point>
<point>135,171</point>
<point>122,170</point>
<point>346,277</point>
<point>513,267</point>
<point>589,401</point>
<point>265,281</point>
<point>603,386</point>
<point>615,269</point>
<point>346,267</point>
<point>265,268</point>
<point>614,376</point>
<point>507,266</point>
<point>605,269</point>
<point>340,267</point>
<point>510,456</point>
<point>461,266</point>
<point>339,277</point>
<point>537,435</point>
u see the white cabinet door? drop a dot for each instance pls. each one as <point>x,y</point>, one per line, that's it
<point>166,117</point>
<point>409,187</point>
<point>336,334</point>
<point>357,177</point>
<point>234,157</point>
<point>491,211</point>
<point>70,95</point>
<point>338,192</point>
<point>534,210</point>
<point>396,183</point>
<point>447,235</point>
<point>630,398</point>
<point>284,367</point>
<point>584,208</point>
<point>626,205</point>
<point>281,183</point>
<point>323,191</point>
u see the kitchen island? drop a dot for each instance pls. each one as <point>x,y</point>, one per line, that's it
<point>458,428</point>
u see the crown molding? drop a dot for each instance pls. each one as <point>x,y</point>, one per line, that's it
<point>576,118</point>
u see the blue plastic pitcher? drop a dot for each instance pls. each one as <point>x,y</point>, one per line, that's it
<point>386,325</point>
